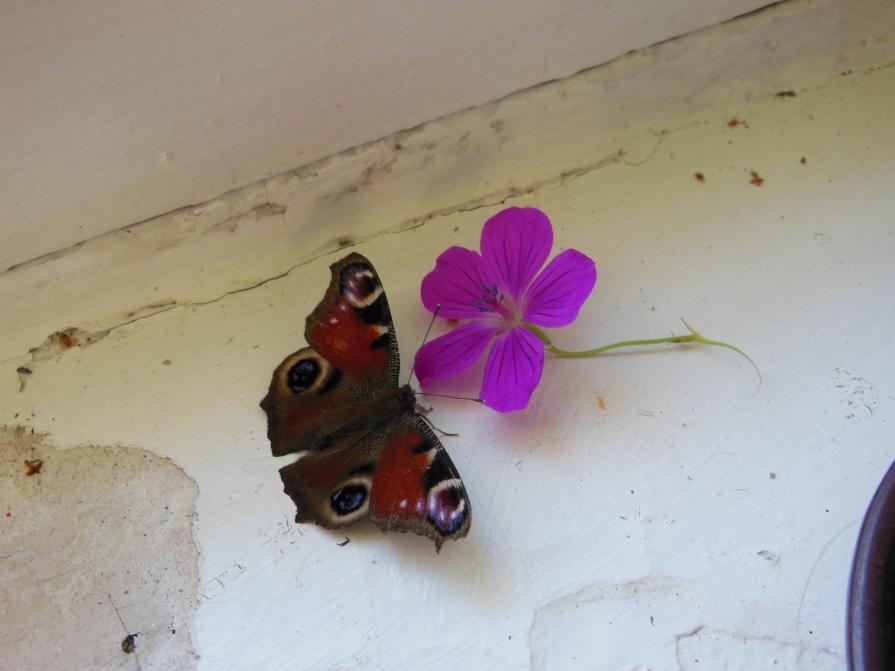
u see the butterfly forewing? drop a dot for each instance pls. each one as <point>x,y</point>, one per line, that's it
<point>352,327</point>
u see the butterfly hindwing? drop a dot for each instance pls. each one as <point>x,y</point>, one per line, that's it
<point>332,487</point>
<point>400,476</point>
<point>416,486</point>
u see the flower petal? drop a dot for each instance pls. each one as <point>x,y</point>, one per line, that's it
<point>513,370</point>
<point>559,292</point>
<point>453,352</point>
<point>458,284</point>
<point>515,243</point>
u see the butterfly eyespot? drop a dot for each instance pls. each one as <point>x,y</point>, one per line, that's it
<point>349,498</point>
<point>302,375</point>
<point>446,508</point>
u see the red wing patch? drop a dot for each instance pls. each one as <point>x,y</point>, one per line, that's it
<point>348,342</point>
<point>352,327</point>
<point>416,486</point>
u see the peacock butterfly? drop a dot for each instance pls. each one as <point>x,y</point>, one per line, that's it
<point>365,450</point>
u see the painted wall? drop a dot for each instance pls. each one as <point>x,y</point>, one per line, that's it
<point>114,112</point>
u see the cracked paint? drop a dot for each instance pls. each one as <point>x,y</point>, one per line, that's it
<point>707,648</point>
<point>98,546</point>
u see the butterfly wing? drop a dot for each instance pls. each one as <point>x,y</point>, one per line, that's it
<point>416,485</point>
<point>399,476</point>
<point>352,327</point>
<point>318,395</point>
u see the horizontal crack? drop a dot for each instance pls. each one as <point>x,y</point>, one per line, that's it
<point>490,200</point>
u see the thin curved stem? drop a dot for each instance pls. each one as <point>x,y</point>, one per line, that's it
<point>694,336</point>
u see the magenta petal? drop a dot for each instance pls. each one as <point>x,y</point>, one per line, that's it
<point>515,244</point>
<point>458,284</point>
<point>513,370</point>
<point>559,292</point>
<point>453,352</point>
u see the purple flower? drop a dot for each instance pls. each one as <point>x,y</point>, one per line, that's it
<point>498,292</point>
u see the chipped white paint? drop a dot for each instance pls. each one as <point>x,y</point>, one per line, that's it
<point>698,516</point>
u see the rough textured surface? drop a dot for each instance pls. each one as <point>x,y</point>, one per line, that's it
<point>96,546</point>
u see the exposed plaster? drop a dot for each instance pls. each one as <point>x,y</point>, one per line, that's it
<point>96,547</point>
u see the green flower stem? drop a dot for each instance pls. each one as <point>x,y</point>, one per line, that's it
<point>694,336</point>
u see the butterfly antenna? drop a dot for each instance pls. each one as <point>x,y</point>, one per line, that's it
<point>443,433</point>
<point>425,337</point>
<point>456,398</point>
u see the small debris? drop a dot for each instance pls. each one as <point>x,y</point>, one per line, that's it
<point>785,94</point>
<point>699,177</point>
<point>33,466</point>
<point>344,542</point>
<point>601,402</point>
<point>756,180</point>
<point>345,241</point>
<point>453,323</point>
<point>803,161</point>
<point>166,362</point>
<point>772,475</point>
<point>129,643</point>
<point>733,123</point>
<point>769,556</point>
<point>23,372</point>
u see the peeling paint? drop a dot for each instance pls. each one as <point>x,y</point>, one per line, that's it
<point>97,548</point>
<point>60,342</point>
<point>231,224</point>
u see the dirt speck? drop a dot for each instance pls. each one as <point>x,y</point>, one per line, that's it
<point>129,644</point>
<point>756,180</point>
<point>699,177</point>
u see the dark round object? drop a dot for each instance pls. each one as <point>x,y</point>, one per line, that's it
<point>871,597</point>
<point>302,375</point>
<point>349,498</point>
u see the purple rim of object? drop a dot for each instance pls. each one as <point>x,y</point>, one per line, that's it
<point>871,594</point>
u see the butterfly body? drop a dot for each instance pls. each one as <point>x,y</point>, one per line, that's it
<point>365,451</point>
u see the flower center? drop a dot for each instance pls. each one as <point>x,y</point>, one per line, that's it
<point>493,300</point>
